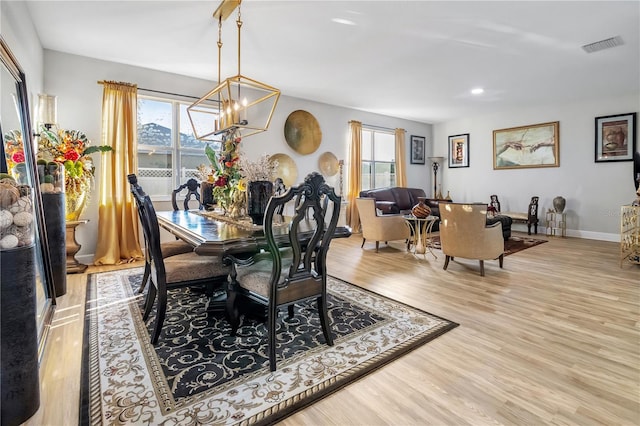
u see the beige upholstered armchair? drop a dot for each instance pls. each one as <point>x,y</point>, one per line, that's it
<point>464,233</point>
<point>380,228</point>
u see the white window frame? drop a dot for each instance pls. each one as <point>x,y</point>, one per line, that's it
<point>373,161</point>
<point>179,173</point>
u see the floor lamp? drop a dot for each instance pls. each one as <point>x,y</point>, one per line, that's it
<point>435,163</point>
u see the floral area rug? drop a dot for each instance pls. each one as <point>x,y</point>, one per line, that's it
<point>513,245</point>
<point>199,374</point>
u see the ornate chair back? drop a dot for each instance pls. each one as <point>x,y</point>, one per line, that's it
<point>282,277</point>
<point>495,203</point>
<point>138,196</point>
<point>533,212</point>
<point>192,186</point>
<point>313,198</point>
<point>168,249</point>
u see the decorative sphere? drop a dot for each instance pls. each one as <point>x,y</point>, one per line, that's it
<point>22,218</point>
<point>8,242</point>
<point>6,219</point>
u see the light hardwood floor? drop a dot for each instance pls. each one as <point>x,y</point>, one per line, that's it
<point>553,338</point>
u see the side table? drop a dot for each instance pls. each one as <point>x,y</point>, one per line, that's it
<point>556,224</point>
<point>421,228</point>
<point>73,266</point>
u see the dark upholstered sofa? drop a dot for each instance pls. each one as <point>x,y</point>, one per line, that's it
<point>394,200</point>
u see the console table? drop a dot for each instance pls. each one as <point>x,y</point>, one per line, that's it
<point>73,266</point>
<point>556,224</point>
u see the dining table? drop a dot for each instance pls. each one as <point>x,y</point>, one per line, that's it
<point>212,234</point>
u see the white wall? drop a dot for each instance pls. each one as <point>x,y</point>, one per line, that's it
<point>74,80</point>
<point>594,191</point>
<point>18,32</point>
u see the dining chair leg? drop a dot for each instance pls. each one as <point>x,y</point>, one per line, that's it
<point>324,319</point>
<point>377,245</point>
<point>271,333</point>
<point>148,303</point>
<point>446,262</point>
<point>290,310</point>
<point>501,260</point>
<point>362,245</point>
<point>161,310</point>
<point>208,289</point>
<point>233,314</point>
<point>482,268</point>
<point>145,277</point>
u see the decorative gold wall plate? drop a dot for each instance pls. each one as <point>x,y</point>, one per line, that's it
<point>328,164</point>
<point>286,170</point>
<point>302,132</point>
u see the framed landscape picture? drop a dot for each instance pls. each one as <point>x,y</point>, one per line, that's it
<point>417,149</point>
<point>615,137</point>
<point>459,150</point>
<point>536,145</point>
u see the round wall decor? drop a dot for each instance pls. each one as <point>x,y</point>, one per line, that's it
<point>328,164</point>
<point>302,132</point>
<point>286,170</point>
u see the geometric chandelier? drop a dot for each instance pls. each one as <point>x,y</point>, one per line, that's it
<point>236,103</point>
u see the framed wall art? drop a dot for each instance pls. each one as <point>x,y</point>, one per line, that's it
<point>417,149</point>
<point>615,137</point>
<point>536,145</point>
<point>459,150</point>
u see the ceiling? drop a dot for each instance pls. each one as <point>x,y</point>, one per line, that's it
<point>416,60</point>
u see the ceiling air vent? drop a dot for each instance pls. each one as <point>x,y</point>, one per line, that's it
<point>603,44</point>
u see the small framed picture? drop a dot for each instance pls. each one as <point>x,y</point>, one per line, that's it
<point>459,150</point>
<point>615,137</point>
<point>417,149</point>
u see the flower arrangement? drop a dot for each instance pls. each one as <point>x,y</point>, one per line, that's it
<point>261,169</point>
<point>72,149</point>
<point>14,149</point>
<point>226,170</point>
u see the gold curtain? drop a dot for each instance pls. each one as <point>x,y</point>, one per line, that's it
<point>118,238</point>
<point>355,178</point>
<point>401,161</point>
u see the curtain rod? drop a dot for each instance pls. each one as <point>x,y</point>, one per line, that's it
<point>372,126</point>
<point>153,91</point>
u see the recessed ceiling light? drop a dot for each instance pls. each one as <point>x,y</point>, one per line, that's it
<point>343,21</point>
<point>477,91</point>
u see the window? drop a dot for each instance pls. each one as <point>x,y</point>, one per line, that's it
<point>168,152</point>
<point>378,159</point>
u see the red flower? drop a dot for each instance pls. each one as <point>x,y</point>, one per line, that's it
<point>221,181</point>
<point>18,157</point>
<point>71,155</point>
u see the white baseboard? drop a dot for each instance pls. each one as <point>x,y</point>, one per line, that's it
<point>86,259</point>
<point>575,233</point>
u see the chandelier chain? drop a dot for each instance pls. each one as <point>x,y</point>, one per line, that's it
<point>239,23</point>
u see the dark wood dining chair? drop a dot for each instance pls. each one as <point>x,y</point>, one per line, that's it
<point>170,248</point>
<point>179,271</point>
<point>191,186</point>
<point>282,276</point>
